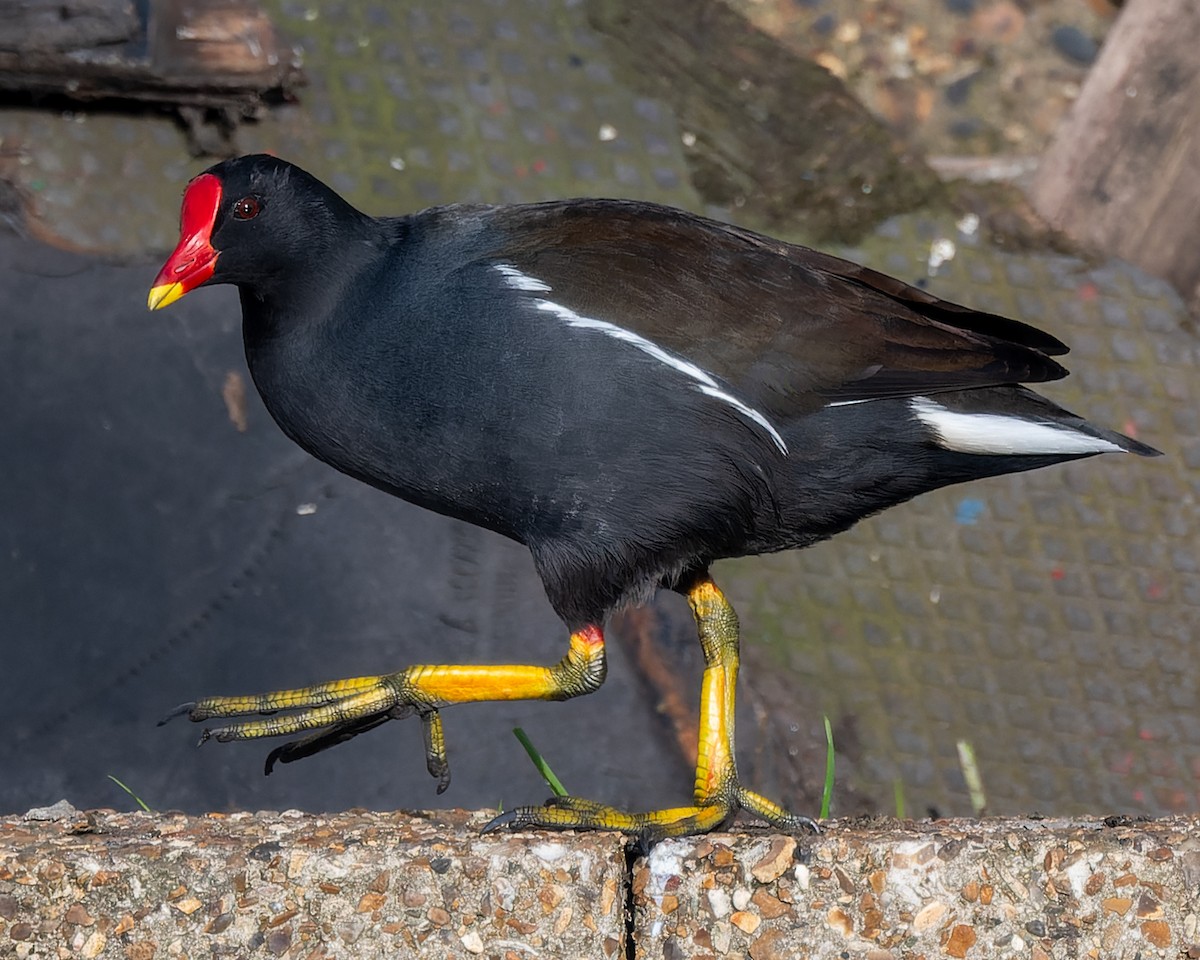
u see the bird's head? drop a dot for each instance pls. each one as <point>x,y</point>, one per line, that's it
<point>253,221</point>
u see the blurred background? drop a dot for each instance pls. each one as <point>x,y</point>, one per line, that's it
<point>161,540</point>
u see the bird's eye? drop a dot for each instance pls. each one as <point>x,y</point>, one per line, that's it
<point>247,208</point>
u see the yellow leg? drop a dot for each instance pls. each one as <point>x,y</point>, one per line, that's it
<point>343,709</point>
<point>717,794</point>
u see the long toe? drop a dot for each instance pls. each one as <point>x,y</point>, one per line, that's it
<point>300,698</point>
<point>773,813</point>
<point>576,813</point>
<point>341,713</point>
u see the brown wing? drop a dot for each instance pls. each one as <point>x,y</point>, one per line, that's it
<point>790,328</point>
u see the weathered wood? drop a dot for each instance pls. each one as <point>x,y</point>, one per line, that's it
<point>217,54</point>
<point>1123,174</point>
<point>765,131</point>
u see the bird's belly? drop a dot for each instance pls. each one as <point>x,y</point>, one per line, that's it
<point>572,454</point>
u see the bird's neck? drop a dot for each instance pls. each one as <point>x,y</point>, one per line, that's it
<point>292,302</point>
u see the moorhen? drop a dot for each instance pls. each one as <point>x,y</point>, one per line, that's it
<point>630,390</point>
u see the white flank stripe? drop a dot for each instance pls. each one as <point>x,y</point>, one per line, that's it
<point>1000,434</point>
<point>620,333</point>
<point>705,382</point>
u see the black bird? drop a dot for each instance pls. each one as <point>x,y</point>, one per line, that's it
<point>630,390</point>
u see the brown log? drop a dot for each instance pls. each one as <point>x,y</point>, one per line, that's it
<point>222,54</point>
<point>1123,173</point>
<point>767,132</point>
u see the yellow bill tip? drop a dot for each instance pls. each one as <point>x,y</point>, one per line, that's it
<point>164,295</point>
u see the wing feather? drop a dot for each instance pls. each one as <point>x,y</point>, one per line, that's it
<point>789,328</point>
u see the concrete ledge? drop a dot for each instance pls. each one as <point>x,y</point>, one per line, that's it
<point>951,888</point>
<point>359,884</point>
<point>368,885</point>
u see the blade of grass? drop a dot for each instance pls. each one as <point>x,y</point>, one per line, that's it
<point>540,762</point>
<point>140,802</point>
<point>970,771</point>
<point>898,793</point>
<point>827,789</point>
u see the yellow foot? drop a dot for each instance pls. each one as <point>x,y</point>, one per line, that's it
<point>336,712</point>
<point>575,813</point>
<point>331,713</point>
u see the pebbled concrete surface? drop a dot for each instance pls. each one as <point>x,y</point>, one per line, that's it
<point>954,888</point>
<point>365,885</point>
<point>1047,618</point>
<point>359,884</point>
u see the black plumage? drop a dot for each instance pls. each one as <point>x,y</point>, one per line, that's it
<point>630,390</point>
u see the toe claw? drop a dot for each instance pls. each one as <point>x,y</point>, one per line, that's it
<point>644,841</point>
<point>506,820</point>
<point>183,710</point>
<point>272,757</point>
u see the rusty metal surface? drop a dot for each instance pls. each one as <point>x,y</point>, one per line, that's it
<point>1047,618</point>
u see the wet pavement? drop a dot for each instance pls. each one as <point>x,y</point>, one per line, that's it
<point>163,540</point>
<point>157,552</point>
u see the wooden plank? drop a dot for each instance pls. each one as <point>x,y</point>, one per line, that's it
<point>1123,174</point>
<point>221,54</point>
